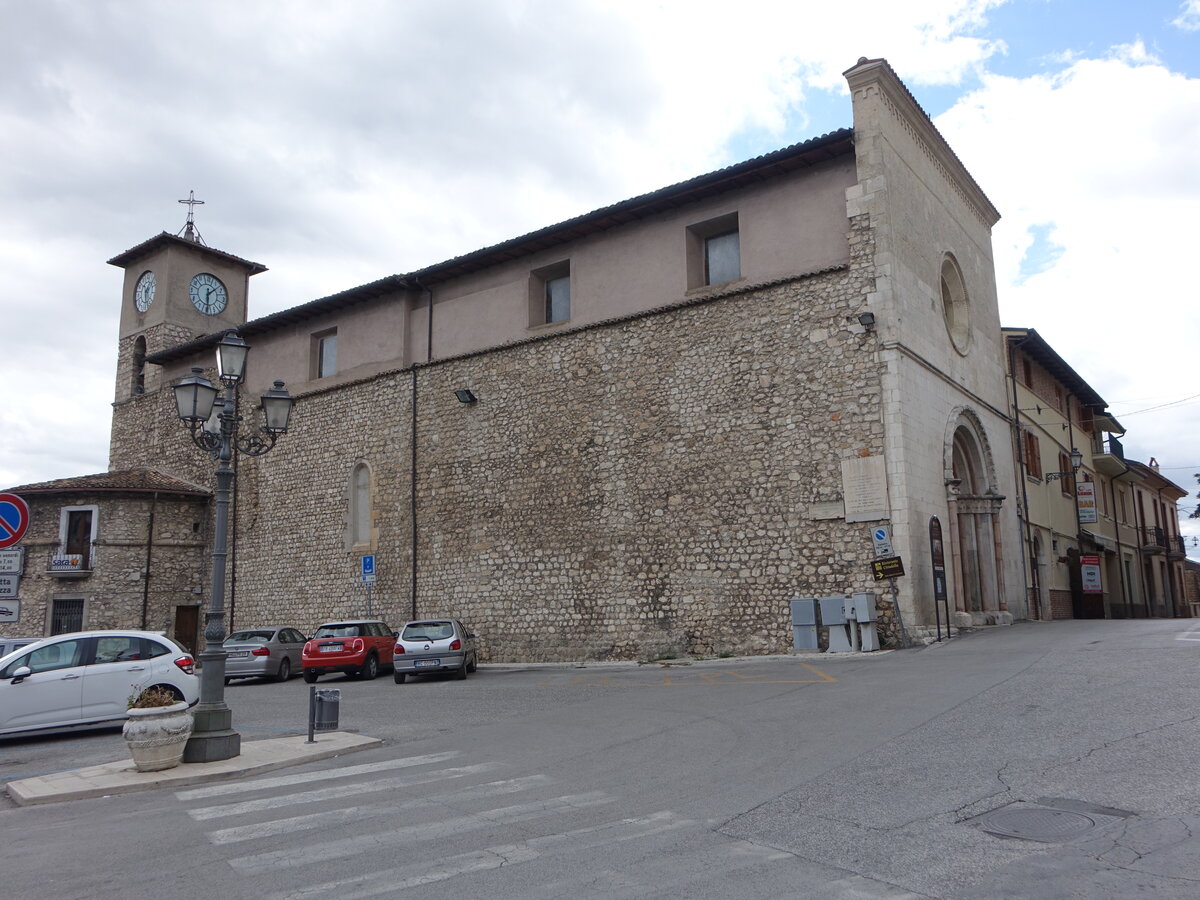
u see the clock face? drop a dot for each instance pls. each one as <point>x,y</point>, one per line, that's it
<point>208,294</point>
<point>143,294</point>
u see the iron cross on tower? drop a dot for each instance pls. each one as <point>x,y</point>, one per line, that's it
<point>189,231</point>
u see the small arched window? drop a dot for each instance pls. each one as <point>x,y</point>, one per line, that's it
<point>360,504</point>
<point>138,385</point>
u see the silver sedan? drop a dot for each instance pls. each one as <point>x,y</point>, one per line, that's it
<point>434,645</point>
<point>269,652</point>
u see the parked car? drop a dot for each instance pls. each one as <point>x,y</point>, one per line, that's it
<point>9,644</point>
<point>358,647</point>
<point>434,645</point>
<point>87,678</point>
<point>273,651</point>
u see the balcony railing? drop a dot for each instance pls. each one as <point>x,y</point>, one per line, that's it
<point>66,564</point>
<point>1115,447</point>
<point>1176,548</point>
<point>1154,539</point>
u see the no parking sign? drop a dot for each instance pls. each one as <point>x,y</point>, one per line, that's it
<point>14,519</point>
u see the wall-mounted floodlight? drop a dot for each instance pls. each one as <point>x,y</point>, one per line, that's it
<point>867,319</point>
<point>464,395</point>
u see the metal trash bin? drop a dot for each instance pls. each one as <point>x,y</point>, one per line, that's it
<point>323,707</point>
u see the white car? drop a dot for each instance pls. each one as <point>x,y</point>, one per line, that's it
<point>86,678</point>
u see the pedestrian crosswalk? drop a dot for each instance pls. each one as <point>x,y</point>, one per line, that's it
<point>389,828</point>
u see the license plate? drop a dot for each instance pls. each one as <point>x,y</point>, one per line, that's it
<point>427,662</point>
<point>236,653</point>
<point>331,648</point>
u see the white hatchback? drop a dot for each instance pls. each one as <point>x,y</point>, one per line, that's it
<point>86,678</point>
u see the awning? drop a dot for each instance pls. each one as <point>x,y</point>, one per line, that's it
<point>1101,542</point>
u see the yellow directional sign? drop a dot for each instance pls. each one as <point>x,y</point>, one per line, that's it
<point>887,567</point>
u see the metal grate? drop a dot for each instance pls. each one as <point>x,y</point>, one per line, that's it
<point>66,616</point>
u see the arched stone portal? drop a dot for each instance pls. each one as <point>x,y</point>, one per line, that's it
<point>976,541</point>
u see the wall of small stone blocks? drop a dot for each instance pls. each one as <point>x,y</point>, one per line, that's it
<point>115,591</point>
<point>625,491</point>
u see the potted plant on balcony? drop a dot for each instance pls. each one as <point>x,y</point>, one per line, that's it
<point>157,729</point>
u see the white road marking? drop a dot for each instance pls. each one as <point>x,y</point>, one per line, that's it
<point>423,831</point>
<point>358,813</point>
<point>244,787</point>
<point>337,791</point>
<point>392,881</point>
<point>1188,636</point>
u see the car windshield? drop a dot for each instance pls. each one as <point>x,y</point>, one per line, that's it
<point>427,631</point>
<point>328,631</point>
<point>249,636</point>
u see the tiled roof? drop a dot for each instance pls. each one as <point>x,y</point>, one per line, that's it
<point>133,253</point>
<point>135,481</point>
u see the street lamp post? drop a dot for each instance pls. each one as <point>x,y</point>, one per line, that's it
<point>213,423</point>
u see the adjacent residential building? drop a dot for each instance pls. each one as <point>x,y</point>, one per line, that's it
<point>123,549</point>
<point>1101,531</point>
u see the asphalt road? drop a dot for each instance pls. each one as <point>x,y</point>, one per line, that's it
<point>884,775</point>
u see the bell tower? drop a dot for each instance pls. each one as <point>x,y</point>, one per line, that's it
<point>176,289</point>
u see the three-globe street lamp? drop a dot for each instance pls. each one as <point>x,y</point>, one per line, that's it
<point>213,424</point>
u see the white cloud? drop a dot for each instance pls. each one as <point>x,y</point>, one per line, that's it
<point>1105,150</point>
<point>339,143</point>
<point>1189,16</point>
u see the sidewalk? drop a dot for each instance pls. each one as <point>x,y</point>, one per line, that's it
<point>121,777</point>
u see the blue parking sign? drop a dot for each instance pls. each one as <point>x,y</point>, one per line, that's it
<point>368,565</point>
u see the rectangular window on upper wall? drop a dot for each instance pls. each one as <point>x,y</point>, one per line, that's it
<point>1033,458</point>
<point>1067,483</point>
<point>714,252</point>
<point>550,294</point>
<point>76,537</point>
<point>324,351</point>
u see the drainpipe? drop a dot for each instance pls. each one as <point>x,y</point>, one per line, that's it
<point>1029,567</point>
<point>412,483</point>
<point>1112,494</point>
<point>146,577</point>
<point>412,478</point>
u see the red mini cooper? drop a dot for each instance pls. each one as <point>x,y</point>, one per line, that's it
<point>359,647</point>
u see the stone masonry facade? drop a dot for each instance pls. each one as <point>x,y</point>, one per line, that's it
<point>639,488</point>
<point>115,590</point>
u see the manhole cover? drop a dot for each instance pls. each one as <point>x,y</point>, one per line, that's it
<point>1037,823</point>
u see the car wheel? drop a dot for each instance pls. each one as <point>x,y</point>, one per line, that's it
<point>370,668</point>
<point>285,670</point>
<point>474,663</point>
<point>310,677</point>
<point>398,676</point>
<point>461,672</point>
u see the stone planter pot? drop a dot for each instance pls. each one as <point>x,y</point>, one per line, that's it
<point>156,736</point>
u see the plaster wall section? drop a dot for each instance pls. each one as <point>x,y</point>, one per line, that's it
<point>372,336</point>
<point>792,223</point>
<point>922,204</point>
<point>174,264</point>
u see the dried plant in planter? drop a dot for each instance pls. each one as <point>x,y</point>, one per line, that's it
<point>152,697</point>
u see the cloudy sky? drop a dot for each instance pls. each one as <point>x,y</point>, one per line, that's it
<point>338,142</point>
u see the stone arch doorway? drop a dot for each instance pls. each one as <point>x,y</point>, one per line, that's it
<point>976,539</point>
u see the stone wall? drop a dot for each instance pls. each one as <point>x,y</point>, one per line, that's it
<point>632,489</point>
<point>115,593</point>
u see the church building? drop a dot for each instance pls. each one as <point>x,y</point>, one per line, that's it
<point>636,433</point>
